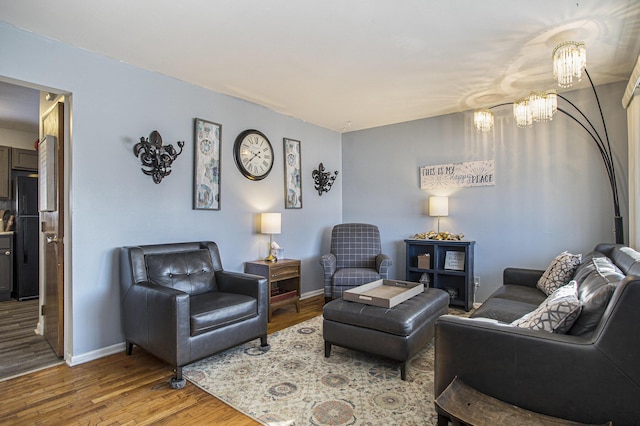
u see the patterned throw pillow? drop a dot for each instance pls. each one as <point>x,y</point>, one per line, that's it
<point>556,314</point>
<point>559,272</point>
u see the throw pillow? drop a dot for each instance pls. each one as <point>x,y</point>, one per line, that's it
<point>595,291</point>
<point>556,314</point>
<point>559,272</point>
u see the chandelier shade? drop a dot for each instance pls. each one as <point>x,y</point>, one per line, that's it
<point>483,120</point>
<point>538,106</point>
<point>569,60</point>
<point>543,105</point>
<point>522,113</point>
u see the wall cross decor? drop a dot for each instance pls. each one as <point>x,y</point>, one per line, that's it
<point>323,180</point>
<point>155,157</point>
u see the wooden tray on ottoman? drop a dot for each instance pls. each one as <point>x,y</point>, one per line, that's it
<point>383,293</point>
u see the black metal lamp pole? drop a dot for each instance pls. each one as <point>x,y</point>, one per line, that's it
<point>604,147</point>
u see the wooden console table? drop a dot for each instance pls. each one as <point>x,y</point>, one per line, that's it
<point>284,281</point>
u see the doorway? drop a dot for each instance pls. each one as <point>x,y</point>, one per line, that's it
<point>22,350</point>
<point>18,124</point>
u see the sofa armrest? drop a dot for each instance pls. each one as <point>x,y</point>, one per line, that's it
<point>241,283</point>
<point>521,276</point>
<point>156,318</point>
<point>247,284</point>
<point>558,375</point>
<point>328,262</point>
<point>383,263</point>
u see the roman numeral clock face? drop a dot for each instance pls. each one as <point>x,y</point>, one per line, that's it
<point>253,154</point>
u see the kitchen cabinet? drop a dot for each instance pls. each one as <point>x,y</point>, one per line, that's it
<point>5,172</point>
<point>24,159</point>
<point>6,265</point>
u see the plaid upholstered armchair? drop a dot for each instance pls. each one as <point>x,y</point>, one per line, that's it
<point>355,259</point>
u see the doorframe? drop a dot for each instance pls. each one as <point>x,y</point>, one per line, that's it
<point>67,281</point>
<point>66,99</point>
<point>45,107</point>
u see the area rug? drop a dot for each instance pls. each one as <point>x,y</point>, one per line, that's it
<point>294,384</point>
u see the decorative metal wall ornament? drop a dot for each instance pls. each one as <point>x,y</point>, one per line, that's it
<point>323,180</point>
<point>155,156</point>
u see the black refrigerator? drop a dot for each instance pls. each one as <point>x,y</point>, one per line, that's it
<point>26,253</point>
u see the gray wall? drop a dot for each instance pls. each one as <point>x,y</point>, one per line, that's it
<point>551,192</point>
<point>113,204</point>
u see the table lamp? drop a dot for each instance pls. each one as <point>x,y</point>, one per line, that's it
<point>438,206</point>
<point>270,223</point>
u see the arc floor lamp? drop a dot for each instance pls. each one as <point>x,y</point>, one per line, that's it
<point>569,61</point>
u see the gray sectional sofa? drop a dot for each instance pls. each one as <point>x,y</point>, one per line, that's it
<point>590,374</point>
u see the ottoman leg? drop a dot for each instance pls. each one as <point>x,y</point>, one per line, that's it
<point>327,349</point>
<point>403,370</point>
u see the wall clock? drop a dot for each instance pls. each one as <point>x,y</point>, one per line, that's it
<point>253,154</point>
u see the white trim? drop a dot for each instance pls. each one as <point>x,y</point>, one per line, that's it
<point>120,347</point>
<point>634,83</point>
<point>633,132</point>
<point>93,355</point>
<point>311,294</point>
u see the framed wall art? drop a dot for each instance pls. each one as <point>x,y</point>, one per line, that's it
<point>292,174</point>
<point>454,260</point>
<point>206,170</point>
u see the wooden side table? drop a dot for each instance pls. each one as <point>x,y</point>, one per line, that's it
<point>284,281</point>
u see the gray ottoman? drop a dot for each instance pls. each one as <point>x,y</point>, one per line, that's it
<point>397,333</point>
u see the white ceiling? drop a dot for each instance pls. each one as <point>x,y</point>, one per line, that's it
<point>348,64</point>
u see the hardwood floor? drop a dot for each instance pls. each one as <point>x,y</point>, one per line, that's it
<point>125,390</point>
<point>21,349</point>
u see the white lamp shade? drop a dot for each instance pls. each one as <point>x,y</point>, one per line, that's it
<point>438,206</point>
<point>270,223</point>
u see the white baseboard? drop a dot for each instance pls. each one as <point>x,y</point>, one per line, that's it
<point>93,355</point>
<point>476,305</point>
<point>311,294</point>
<point>120,347</point>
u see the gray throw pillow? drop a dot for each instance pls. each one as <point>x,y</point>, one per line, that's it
<point>559,272</point>
<point>556,314</point>
<point>595,291</point>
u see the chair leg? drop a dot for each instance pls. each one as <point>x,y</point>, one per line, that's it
<point>403,370</point>
<point>264,346</point>
<point>129,348</point>
<point>178,381</point>
<point>327,349</point>
<point>327,300</point>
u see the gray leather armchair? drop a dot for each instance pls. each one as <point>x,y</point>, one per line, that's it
<point>180,305</point>
<point>355,258</point>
